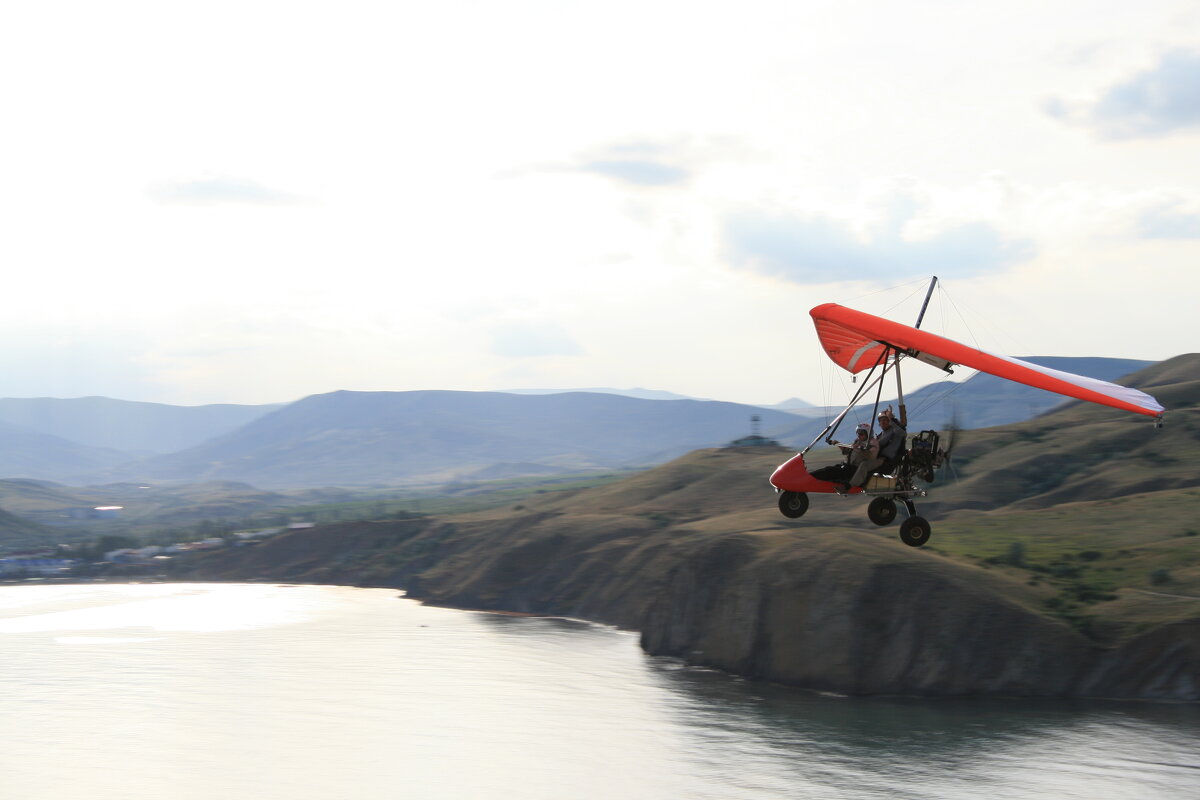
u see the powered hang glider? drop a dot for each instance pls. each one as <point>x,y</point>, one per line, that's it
<point>860,342</point>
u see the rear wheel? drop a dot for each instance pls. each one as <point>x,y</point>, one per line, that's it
<point>793,504</point>
<point>882,510</point>
<point>914,531</point>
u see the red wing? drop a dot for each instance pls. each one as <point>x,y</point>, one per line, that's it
<point>857,341</point>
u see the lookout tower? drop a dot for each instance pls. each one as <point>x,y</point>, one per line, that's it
<point>755,439</point>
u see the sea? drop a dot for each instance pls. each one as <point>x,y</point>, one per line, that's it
<point>283,692</point>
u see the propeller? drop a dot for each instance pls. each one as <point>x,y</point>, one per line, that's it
<point>949,439</point>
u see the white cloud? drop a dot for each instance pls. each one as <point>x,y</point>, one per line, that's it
<point>818,250</point>
<point>1155,102</point>
<point>642,172</point>
<point>1167,222</point>
<point>210,190</point>
<point>532,340</point>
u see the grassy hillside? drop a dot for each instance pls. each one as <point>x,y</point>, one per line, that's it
<point>1117,564</point>
<point>160,512</point>
<point>29,454</point>
<point>1086,452</point>
<point>59,514</point>
<point>18,533</point>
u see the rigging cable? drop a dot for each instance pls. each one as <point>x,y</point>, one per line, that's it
<point>866,384</point>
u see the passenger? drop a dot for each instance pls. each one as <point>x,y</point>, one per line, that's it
<point>889,444</point>
<point>860,450</point>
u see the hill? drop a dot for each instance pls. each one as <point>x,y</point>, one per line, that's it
<point>126,426</point>
<point>28,454</point>
<point>52,513</point>
<point>17,533</point>
<point>1042,597</point>
<point>382,438</point>
<point>642,394</point>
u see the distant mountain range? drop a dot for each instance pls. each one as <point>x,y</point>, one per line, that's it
<point>126,426</point>
<point>641,394</point>
<point>389,438</point>
<point>397,438</point>
<point>791,404</point>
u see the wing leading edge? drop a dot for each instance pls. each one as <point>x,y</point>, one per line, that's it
<point>857,341</point>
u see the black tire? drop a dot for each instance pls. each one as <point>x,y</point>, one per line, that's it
<point>793,504</point>
<point>882,511</point>
<point>914,531</point>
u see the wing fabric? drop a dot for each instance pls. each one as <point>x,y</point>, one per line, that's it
<point>857,341</point>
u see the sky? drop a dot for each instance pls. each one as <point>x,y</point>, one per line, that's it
<point>252,202</point>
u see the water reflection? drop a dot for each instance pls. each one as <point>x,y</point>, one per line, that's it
<point>908,747</point>
<point>775,737</point>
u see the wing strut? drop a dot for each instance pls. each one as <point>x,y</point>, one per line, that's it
<point>899,385</point>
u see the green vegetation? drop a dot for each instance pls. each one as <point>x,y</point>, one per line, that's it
<point>1102,566</point>
<point>163,516</point>
<point>451,499</point>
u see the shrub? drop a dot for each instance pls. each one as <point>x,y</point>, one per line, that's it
<point>1160,576</point>
<point>1090,594</point>
<point>1060,570</point>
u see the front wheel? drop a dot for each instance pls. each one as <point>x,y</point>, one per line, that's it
<point>793,504</point>
<point>882,510</point>
<point>914,531</point>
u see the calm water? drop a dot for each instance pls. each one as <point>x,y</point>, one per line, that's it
<point>292,692</point>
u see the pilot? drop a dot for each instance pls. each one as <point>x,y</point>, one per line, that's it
<point>889,444</point>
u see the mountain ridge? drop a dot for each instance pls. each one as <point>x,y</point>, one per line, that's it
<point>367,438</point>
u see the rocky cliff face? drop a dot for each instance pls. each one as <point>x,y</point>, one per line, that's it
<point>854,616</point>
<point>837,619</point>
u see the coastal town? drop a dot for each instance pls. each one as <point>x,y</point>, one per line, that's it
<point>73,561</point>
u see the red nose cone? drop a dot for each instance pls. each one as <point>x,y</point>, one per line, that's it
<point>792,476</point>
